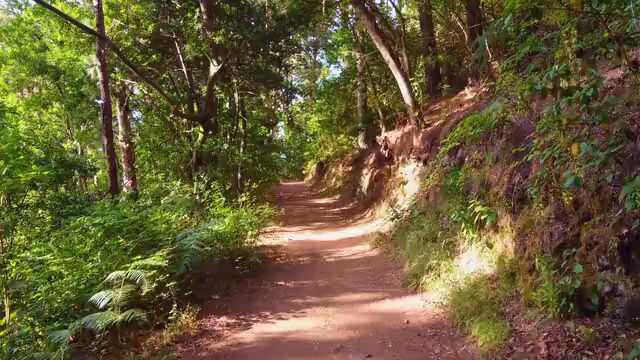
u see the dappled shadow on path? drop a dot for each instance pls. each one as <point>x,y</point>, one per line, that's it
<point>326,295</point>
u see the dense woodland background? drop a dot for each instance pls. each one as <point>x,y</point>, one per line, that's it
<point>139,139</point>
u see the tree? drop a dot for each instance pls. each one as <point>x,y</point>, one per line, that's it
<point>433,78</point>
<point>390,57</point>
<point>105,94</point>
<point>125,138</point>
<point>475,30</point>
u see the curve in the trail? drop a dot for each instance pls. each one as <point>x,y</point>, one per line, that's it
<point>326,295</point>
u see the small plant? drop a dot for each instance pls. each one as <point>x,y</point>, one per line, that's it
<point>557,287</point>
<point>630,195</point>
<point>472,217</point>
<point>482,215</point>
<point>474,126</point>
<point>182,322</point>
<point>475,307</point>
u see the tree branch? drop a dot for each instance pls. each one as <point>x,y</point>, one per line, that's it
<point>128,63</point>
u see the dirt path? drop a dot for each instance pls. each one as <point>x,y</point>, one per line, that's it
<point>327,295</point>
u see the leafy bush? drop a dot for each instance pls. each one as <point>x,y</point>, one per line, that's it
<point>139,248</point>
<point>630,194</point>
<point>556,287</point>
<point>182,322</point>
<point>471,128</point>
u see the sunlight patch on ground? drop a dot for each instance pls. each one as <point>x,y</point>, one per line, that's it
<point>359,251</point>
<point>342,233</point>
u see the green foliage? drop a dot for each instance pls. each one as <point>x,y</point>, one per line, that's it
<point>427,255</point>
<point>144,241</point>
<point>630,194</point>
<point>556,287</point>
<point>471,128</point>
<point>475,307</point>
<point>181,323</point>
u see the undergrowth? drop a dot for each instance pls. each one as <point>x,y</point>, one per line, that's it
<point>448,251</point>
<point>105,269</point>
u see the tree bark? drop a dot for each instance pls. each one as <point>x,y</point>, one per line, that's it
<point>475,29</point>
<point>125,137</point>
<point>433,77</point>
<point>107,111</point>
<point>390,58</point>
<point>474,20</point>
<point>364,114</point>
<point>361,65</point>
<point>242,124</point>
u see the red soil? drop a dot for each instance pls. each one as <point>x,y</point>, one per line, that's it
<point>325,294</point>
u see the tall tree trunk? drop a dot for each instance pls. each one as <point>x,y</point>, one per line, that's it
<point>475,30</point>
<point>242,119</point>
<point>474,20</point>
<point>361,64</point>
<point>390,58</point>
<point>367,137</point>
<point>82,180</point>
<point>207,116</point>
<point>4,274</point>
<point>432,75</point>
<point>125,137</point>
<point>105,94</point>
<point>364,114</point>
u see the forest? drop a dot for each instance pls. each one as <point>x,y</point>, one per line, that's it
<point>144,144</point>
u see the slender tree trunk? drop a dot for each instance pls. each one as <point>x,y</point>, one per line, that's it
<point>367,137</point>
<point>364,113</point>
<point>361,59</point>
<point>6,302</point>
<point>4,253</point>
<point>475,29</point>
<point>390,58</point>
<point>107,112</point>
<point>207,116</point>
<point>474,20</point>
<point>433,78</point>
<point>82,180</point>
<point>127,147</point>
<point>242,114</point>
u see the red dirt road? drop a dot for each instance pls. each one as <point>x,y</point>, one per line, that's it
<point>325,295</point>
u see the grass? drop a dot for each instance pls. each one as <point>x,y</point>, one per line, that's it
<point>475,306</point>
<point>441,259</point>
<point>182,323</point>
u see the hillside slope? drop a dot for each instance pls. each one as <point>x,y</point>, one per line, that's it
<point>534,253</point>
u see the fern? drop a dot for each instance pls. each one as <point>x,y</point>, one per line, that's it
<point>62,336</point>
<point>106,320</point>
<point>100,321</point>
<point>138,277</point>
<point>194,244</point>
<point>113,297</point>
<point>133,317</point>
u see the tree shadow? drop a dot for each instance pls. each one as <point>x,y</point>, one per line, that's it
<point>327,295</point>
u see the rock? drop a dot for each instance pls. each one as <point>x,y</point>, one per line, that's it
<point>631,309</point>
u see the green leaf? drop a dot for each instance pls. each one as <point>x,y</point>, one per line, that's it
<point>572,182</point>
<point>578,268</point>
<point>584,148</point>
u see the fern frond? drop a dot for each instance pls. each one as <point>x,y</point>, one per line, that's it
<point>62,336</point>
<point>100,321</point>
<point>157,260</point>
<point>133,317</point>
<point>138,277</point>
<point>111,297</point>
